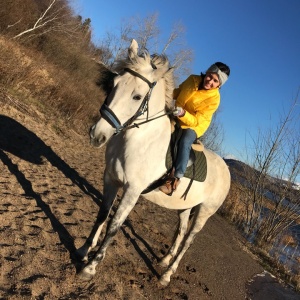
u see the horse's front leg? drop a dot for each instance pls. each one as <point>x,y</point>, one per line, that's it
<point>127,203</point>
<point>109,194</point>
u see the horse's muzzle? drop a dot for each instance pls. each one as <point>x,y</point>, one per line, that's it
<point>96,141</point>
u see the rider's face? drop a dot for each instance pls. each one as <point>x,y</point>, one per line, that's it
<point>211,81</point>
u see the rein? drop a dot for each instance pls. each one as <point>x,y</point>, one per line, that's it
<point>113,120</point>
<point>149,120</point>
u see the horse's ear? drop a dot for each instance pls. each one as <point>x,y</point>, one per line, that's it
<point>133,49</point>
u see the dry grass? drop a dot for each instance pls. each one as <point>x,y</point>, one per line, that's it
<point>54,89</point>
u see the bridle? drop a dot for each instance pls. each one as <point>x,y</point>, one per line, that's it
<point>108,115</point>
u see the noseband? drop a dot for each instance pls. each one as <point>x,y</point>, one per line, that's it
<point>108,115</point>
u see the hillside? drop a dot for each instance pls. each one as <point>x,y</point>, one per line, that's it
<point>242,173</point>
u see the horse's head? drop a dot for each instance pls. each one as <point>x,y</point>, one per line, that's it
<point>142,88</point>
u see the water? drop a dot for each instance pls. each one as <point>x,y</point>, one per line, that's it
<point>288,256</point>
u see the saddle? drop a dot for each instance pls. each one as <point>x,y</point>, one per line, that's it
<point>196,168</point>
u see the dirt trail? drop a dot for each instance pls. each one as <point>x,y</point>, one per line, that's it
<point>50,186</point>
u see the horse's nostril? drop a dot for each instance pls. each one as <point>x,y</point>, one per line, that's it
<point>92,131</point>
<point>102,140</point>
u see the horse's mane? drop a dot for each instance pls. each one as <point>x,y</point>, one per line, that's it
<point>160,62</point>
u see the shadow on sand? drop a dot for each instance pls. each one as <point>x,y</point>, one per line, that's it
<point>21,142</point>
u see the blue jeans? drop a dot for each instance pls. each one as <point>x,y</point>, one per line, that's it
<point>185,143</point>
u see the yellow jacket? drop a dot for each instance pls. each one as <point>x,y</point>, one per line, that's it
<point>199,105</point>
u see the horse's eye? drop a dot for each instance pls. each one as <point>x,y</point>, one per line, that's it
<point>137,97</point>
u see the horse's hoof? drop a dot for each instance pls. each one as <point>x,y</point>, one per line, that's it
<point>86,274</point>
<point>164,280</point>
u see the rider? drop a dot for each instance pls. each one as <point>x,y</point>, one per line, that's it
<point>197,98</point>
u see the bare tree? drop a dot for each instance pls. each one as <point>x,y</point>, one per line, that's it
<point>177,32</point>
<point>114,45</point>
<point>147,32</point>
<point>273,203</point>
<point>148,35</point>
<point>55,17</point>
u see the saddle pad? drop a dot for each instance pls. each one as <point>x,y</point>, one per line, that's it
<point>200,166</point>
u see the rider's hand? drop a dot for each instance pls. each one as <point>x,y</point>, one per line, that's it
<point>178,112</point>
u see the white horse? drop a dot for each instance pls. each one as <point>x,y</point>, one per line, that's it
<point>135,157</point>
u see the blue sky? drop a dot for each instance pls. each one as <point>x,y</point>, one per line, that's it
<point>258,39</point>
